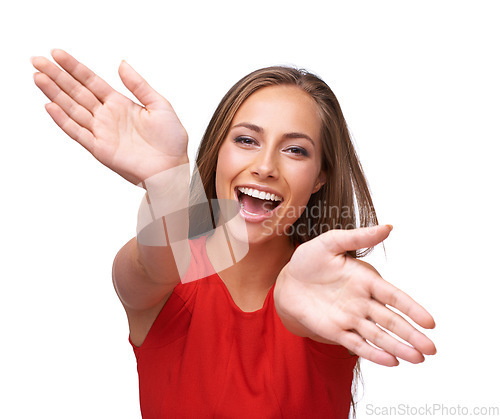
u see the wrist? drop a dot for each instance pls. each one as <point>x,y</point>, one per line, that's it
<point>158,174</point>
<point>164,206</point>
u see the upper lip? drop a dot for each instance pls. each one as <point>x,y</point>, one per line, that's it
<point>262,188</point>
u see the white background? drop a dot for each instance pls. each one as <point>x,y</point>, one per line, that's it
<point>419,85</point>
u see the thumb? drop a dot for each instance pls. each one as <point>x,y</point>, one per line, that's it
<point>341,241</point>
<point>134,82</point>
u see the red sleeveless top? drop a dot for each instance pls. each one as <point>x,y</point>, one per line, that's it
<point>206,358</point>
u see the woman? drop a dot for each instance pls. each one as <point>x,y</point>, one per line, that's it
<point>262,315</point>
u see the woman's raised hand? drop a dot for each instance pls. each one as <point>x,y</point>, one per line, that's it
<point>134,141</point>
<point>325,294</point>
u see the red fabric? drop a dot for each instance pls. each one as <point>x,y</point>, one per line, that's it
<point>206,358</point>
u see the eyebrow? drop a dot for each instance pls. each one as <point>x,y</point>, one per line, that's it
<point>260,130</point>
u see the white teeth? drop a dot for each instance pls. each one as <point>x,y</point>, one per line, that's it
<point>260,194</point>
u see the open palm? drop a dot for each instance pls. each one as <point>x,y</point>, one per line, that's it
<point>325,294</point>
<point>134,141</point>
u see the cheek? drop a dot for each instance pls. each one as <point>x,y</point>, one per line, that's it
<point>224,161</point>
<point>303,184</point>
<point>219,175</point>
<point>226,168</point>
<point>231,161</point>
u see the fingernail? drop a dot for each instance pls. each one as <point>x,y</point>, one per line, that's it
<point>390,226</point>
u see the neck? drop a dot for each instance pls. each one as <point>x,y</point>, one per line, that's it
<point>250,279</point>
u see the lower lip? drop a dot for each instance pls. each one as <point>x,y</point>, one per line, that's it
<point>254,218</point>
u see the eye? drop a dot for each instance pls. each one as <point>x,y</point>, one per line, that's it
<point>299,151</point>
<point>247,141</point>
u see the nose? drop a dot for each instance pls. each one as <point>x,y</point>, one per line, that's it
<point>265,164</point>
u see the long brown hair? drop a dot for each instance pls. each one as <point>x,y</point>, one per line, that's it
<point>343,202</point>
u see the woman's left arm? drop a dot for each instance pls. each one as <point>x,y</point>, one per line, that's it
<point>328,296</point>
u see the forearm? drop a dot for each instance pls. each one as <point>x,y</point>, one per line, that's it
<point>289,320</point>
<point>163,225</point>
<point>147,268</point>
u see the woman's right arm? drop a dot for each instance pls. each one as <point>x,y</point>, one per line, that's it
<point>141,144</point>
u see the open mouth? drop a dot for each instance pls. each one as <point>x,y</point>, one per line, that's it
<point>257,202</point>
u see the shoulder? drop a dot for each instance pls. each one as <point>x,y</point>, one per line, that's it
<point>171,317</point>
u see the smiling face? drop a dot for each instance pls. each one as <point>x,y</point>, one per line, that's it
<point>273,148</point>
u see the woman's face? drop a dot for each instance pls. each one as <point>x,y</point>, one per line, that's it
<point>273,147</point>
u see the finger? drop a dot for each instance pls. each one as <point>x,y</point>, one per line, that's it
<point>371,332</point>
<point>99,88</point>
<point>75,111</point>
<point>67,83</point>
<point>70,127</point>
<point>396,324</point>
<point>341,241</point>
<point>355,343</point>
<point>387,293</point>
<point>134,82</point>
